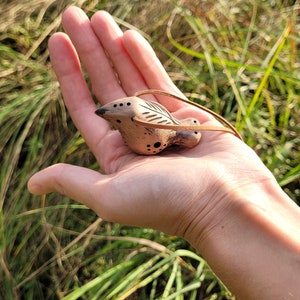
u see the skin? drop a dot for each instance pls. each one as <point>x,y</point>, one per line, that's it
<point>219,196</point>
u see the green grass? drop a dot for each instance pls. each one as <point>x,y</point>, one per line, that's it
<point>240,59</point>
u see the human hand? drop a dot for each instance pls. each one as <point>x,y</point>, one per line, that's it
<point>169,191</point>
<point>218,195</point>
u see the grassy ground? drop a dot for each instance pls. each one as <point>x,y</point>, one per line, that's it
<point>240,58</point>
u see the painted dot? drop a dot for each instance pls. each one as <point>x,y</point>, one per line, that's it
<point>196,132</point>
<point>157,144</point>
<point>121,104</point>
<point>115,105</point>
<point>128,103</point>
<point>118,121</point>
<point>148,146</point>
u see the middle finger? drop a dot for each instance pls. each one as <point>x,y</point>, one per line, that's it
<point>111,37</point>
<point>105,83</point>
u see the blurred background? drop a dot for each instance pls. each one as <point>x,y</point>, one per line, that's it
<point>238,58</point>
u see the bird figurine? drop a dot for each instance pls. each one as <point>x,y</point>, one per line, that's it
<point>148,128</point>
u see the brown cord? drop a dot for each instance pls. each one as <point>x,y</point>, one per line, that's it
<point>230,128</point>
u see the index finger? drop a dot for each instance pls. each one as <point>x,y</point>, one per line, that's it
<point>75,91</point>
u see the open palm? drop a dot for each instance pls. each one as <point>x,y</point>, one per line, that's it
<point>218,195</point>
<point>168,191</point>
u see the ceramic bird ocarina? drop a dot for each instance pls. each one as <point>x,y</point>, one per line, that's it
<point>124,114</point>
<point>148,128</point>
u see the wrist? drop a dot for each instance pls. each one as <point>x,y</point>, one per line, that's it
<point>251,240</point>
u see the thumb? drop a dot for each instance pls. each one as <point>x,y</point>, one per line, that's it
<point>75,182</point>
<point>109,196</point>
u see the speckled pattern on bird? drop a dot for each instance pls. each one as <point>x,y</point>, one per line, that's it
<point>147,127</point>
<point>143,139</point>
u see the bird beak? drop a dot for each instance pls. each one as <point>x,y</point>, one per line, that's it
<point>101,111</point>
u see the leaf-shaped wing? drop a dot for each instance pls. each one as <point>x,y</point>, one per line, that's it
<point>153,112</point>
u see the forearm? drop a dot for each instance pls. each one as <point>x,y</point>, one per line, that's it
<point>255,249</point>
